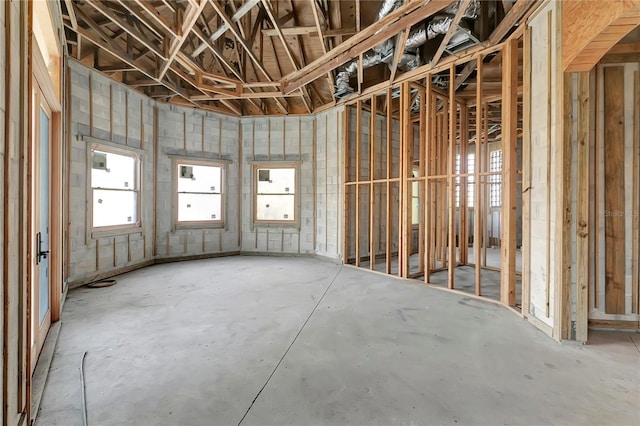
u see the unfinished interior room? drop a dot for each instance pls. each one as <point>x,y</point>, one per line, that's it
<point>306,212</point>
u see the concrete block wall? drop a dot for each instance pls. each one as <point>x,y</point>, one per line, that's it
<point>380,172</point>
<point>197,135</point>
<point>109,112</point>
<point>329,187</point>
<point>273,139</point>
<point>543,210</point>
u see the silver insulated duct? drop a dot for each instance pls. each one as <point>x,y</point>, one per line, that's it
<point>410,60</point>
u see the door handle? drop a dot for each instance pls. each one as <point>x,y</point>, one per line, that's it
<point>41,254</point>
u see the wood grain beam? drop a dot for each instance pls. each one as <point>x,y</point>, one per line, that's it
<point>515,15</point>
<point>404,17</point>
<point>462,8</point>
<point>227,24</point>
<point>188,22</point>
<point>128,28</point>
<point>157,17</point>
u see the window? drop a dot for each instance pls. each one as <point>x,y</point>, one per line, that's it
<point>115,187</point>
<point>415,200</point>
<point>495,180</point>
<point>471,164</point>
<point>199,191</point>
<point>275,194</point>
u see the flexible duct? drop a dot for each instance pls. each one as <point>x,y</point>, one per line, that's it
<point>472,10</point>
<point>383,52</point>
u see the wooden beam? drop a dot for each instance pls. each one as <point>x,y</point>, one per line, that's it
<point>509,173</point>
<point>157,17</point>
<point>401,40</point>
<point>118,53</point>
<point>478,235</point>
<point>635,240</point>
<point>451,196</point>
<point>129,29</point>
<point>227,24</point>
<point>190,18</point>
<point>405,16</point>
<point>583,228</point>
<point>462,8</point>
<point>236,33</point>
<point>614,189</point>
<point>316,18</point>
<point>517,13</point>
<point>290,31</point>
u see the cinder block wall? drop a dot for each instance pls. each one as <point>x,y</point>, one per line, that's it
<point>104,110</point>
<point>273,139</point>
<point>543,206</point>
<point>194,134</point>
<point>110,112</point>
<point>329,179</point>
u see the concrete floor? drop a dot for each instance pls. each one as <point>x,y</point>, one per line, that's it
<point>294,341</point>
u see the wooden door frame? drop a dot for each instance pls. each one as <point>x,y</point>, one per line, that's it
<point>43,84</point>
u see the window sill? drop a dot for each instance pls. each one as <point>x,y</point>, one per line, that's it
<point>115,231</point>
<point>198,225</point>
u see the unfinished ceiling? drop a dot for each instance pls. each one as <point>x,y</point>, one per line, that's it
<point>250,57</point>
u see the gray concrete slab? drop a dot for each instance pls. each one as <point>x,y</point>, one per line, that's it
<point>305,342</point>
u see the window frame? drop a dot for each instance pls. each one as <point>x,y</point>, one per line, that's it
<point>94,144</point>
<point>495,178</point>
<point>200,224</point>
<point>295,165</point>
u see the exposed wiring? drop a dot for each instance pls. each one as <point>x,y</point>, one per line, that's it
<point>83,390</point>
<point>102,283</point>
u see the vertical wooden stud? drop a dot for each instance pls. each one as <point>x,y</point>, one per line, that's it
<point>372,165</point>
<point>509,172</point>
<point>451,241</point>
<point>357,185</point>
<point>426,161</point>
<point>477,209</point>
<point>582,228</point>
<point>635,281</point>
<point>614,190</point>
<point>526,173</point>
<point>388,159</point>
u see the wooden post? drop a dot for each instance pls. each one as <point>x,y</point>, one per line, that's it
<point>427,160</point>
<point>614,189</point>
<point>389,157</point>
<point>463,240</point>
<point>423,183</point>
<point>357,185</point>
<point>405,158</point>
<point>509,172</point>
<point>526,173</point>
<point>345,215</point>
<point>451,176</point>
<point>635,282</point>
<point>372,165</point>
<point>583,228</point>
<point>477,218</point>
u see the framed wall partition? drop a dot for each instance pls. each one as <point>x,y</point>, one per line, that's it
<point>433,175</point>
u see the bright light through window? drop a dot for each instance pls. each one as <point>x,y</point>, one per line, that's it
<point>114,184</point>
<point>275,194</point>
<point>199,193</point>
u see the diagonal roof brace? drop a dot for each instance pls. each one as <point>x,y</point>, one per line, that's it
<point>243,10</point>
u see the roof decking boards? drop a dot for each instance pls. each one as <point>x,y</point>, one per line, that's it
<point>256,57</point>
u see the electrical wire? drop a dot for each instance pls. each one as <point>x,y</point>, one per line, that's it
<point>83,390</point>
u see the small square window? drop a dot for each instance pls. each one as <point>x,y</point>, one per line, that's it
<point>115,188</point>
<point>199,193</point>
<point>275,194</point>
